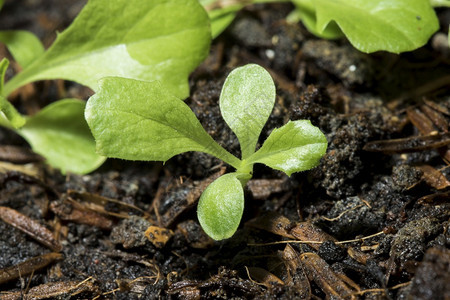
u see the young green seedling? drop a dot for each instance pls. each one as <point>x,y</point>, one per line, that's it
<point>147,40</point>
<point>370,25</point>
<point>139,120</point>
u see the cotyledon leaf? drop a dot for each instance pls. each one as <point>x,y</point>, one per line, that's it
<point>24,46</point>
<point>139,120</point>
<point>246,101</point>
<point>221,206</point>
<point>160,40</point>
<point>60,133</point>
<point>296,146</point>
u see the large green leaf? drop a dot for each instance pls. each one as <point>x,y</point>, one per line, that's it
<point>246,101</point>
<point>390,25</point>
<point>295,147</point>
<point>148,40</point>
<point>60,133</point>
<point>9,116</point>
<point>140,120</point>
<point>24,46</point>
<point>221,206</point>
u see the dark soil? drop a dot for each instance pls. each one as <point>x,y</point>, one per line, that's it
<point>129,230</point>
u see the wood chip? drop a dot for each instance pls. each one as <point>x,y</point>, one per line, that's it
<point>306,231</point>
<point>263,188</point>
<point>411,144</point>
<point>78,213</point>
<point>274,223</point>
<point>434,177</point>
<point>434,199</point>
<point>264,277</point>
<point>333,285</point>
<point>436,117</point>
<point>31,227</point>
<point>29,266</point>
<point>29,169</point>
<point>437,107</point>
<point>358,255</point>
<point>158,236</point>
<point>18,155</point>
<point>295,273</point>
<point>101,202</point>
<point>53,290</point>
<point>420,121</point>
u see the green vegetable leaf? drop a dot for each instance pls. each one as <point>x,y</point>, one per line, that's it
<point>140,120</point>
<point>148,40</point>
<point>222,13</point>
<point>394,26</point>
<point>219,15</point>
<point>221,206</point>
<point>221,19</point>
<point>9,116</point>
<point>307,13</point>
<point>295,147</point>
<point>24,46</point>
<point>246,101</point>
<point>60,133</point>
<point>440,3</point>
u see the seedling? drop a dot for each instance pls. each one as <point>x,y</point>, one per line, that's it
<point>139,120</point>
<point>147,40</point>
<point>370,25</point>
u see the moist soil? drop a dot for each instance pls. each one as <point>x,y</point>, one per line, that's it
<point>370,222</point>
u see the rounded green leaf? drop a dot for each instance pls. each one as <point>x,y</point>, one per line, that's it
<point>294,147</point>
<point>60,134</point>
<point>221,207</point>
<point>246,101</point>
<point>141,120</point>
<point>160,40</point>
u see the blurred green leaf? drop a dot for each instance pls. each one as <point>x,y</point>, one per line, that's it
<point>24,46</point>
<point>160,40</point>
<point>60,133</point>
<point>372,25</point>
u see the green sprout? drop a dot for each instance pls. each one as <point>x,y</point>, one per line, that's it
<point>369,25</point>
<point>139,120</point>
<point>162,40</point>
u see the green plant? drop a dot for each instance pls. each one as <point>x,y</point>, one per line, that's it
<point>370,25</point>
<point>139,120</point>
<point>160,40</point>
